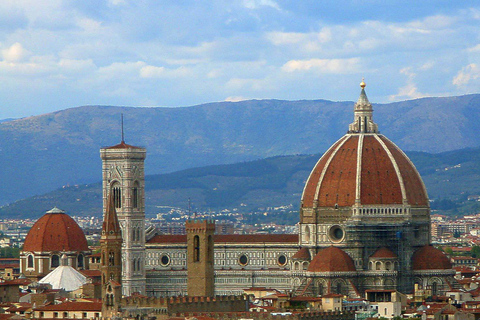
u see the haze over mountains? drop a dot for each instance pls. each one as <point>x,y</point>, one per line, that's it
<point>45,152</point>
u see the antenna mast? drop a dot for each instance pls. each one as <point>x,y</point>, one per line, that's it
<point>123,137</point>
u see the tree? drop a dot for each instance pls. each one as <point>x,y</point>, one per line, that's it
<point>475,252</point>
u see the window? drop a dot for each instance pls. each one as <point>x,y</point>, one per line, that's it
<point>243,260</point>
<point>80,261</point>
<point>65,314</point>
<point>196,248</point>
<point>55,261</point>
<point>135,195</point>
<point>111,258</point>
<point>282,260</point>
<point>30,261</point>
<point>117,195</point>
<point>165,260</point>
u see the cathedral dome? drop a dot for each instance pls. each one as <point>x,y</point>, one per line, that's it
<point>366,169</point>
<point>55,231</point>
<point>331,259</point>
<point>430,258</point>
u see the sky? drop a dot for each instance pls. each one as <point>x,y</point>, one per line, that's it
<point>59,54</point>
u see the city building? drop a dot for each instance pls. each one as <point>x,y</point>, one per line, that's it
<point>364,225</point>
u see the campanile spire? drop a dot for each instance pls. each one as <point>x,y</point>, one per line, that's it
<point>363,112</point>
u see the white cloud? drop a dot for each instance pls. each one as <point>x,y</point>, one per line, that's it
<point>255,4</point>
<point>323,65</point>
<point>235,99</point>
<point>14,53</point>
<point>467,74</point>
<point>409,90</point>
<point>152,72</point>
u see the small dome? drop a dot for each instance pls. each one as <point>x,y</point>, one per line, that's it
<point>65,277</point>
<point>302,254</point>
<point>430,258</point>
<point>331,259</point>
<point>55,231</point>
<point>384,252</point>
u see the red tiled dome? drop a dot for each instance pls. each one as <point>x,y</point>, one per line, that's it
<point>384,252</point>
<point>384,173</point>
<point>55,231</point>
<point>302,254</point>
<point>429,258</point>
<point>331,259</point>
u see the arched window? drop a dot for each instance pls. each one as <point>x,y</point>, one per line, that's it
<point>306,235</point>
<point>378,265</point>
<point>434,289</point>
<point>103,259</point>
<point>196,248</point>
<point>80,261</point>
<point>117,195</point>
<point>305,265</point>
<point>339,288</point>
<point>135,195</point>
<point>139,264</point>
<point>388,265</point>
<point>30,261</point>
<point>111,258</point>
<point>55,261</point>
<point>320,289</point>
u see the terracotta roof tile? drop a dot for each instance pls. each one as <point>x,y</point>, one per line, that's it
<point>302,254</point>
<point>429,258</point>
<point>379,181</point>
<point>72,306</point>
<point>331,259</point>
<point>55,232</point>
<point>384,252</point>
<point>122,145</point>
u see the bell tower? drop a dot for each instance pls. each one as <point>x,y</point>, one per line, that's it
<point>111,262</point>
<point>124,180</point>
<point>200,272</point>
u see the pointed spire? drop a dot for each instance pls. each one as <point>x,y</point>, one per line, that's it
<point>110,221</point>
<point>363,112</point>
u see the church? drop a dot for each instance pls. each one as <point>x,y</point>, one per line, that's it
<point>364,225</point>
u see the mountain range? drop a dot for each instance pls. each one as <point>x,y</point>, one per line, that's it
<point>450,177</point>
<point>42,153</point>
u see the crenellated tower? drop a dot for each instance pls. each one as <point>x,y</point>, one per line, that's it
<point>124,180</point>
<point>200,260</point>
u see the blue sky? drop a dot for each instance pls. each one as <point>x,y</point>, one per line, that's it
<point>58,54</point>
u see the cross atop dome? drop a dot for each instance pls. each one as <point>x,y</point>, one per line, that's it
<point>363,111</point>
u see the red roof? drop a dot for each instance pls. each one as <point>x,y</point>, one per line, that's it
<point>331,259</point>
<point>231,238</point>
<point>122,145</point>
<point>384,252</point>
<point>428,258</point>
<point>72,306</point>
<point>333,180</point>
<point>55,231</point>
<point>302,254</point>
<point>91,273</point>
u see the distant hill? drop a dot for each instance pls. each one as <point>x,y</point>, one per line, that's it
<point>43,153</point>
<point>450,178</point>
